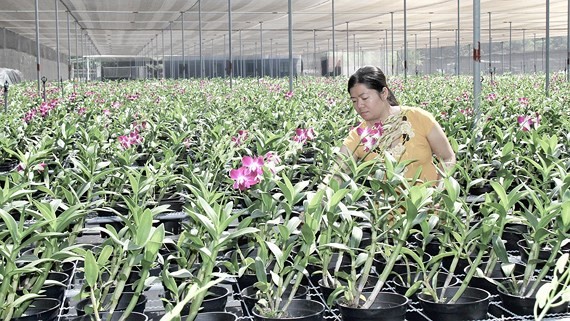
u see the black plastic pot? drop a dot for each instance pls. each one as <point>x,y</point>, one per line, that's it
<point>214,316</point>
<point>326,291</point>
<point>386,307</point>
<point>472,305</point>
<point>249,300</point>
<point>497,275</point>
<point>214,301</point>
<point>44,309</point>
<point>8,164</point>
<point>298,310</point>
<point>134,316</point>
<point>523,305</point>
<point>513,233</point>
<point>121,306</point>
<point>401,286</point>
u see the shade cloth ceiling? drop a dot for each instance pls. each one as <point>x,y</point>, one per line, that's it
<point>132,27</point>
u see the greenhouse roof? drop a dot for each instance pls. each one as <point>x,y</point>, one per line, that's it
<point>127,27</point>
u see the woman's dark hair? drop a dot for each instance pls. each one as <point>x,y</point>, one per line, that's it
<point>373,78</point>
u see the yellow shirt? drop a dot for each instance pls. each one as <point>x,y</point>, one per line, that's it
<point>410,129</point>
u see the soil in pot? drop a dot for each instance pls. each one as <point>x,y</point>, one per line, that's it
<point>298,310</point>
<point>45,309</point>
<point>386,307</point>
<point>249,298</point>
<point>520,305</point>
<point>472,305</point>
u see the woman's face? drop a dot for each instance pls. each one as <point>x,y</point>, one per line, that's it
<point>368,103</point>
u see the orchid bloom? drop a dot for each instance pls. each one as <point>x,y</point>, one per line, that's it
<point>242,178</point>
<point>370,136</point>
<point>241,137</point>
<point>289,95</point>
<point>254,165</point>
<point>527,122</point>
<point>271,161</point>
<point>523,101</point>
<point>40,167</point>
<point>303,135</point>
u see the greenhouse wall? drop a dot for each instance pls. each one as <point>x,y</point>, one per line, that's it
<point>18,52</point>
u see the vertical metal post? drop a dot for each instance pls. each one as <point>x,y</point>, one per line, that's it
<point>38,47</point>
<point>490,49</point>
<point>458,48</point>
<point>171,53</point>
<point>200,38</point>
<point>334,47</point>
<point>476,60</point>
<point>524,51</point>
<point>568,44</point>
<point>534,51</point>
<point>354,49</point>
<point>261,47</point>
<point>57,41</point>
<point>547,72</point>
<point>271,57</point>
<point>183,51</point>
<point>392,41</point>
<point>212,73</point>
<point>163,56</point>
<point>241,55</point>
<point>315,52</point>
<point>405,42</point>
<point>68,49</point>
<point>6,86</point>
<point>502,57</point>
<point>290,27</point>
<point>230,64</point>
<point>76,66</point>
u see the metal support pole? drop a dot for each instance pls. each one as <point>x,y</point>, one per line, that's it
<point>213,74</point>
<point>68,49</point>
<point>476,61</point>
<point>524,52</point>
<point>333,42</point>
<point>6,86</point>
<point>405,42</point>
<point>183,52</point>
<point>163,56</point>
<point>76,66</point>
<point>171,54</point>
<point>568,44</point>
<point>261,47</point>
<point>547,72</point>
<point>57,41</point>
<point>490,49</point>
<point>315,51</point>
<point>458,58</point>
<point>230,63</point>
<point>290,27</point>
<point>38,46</point>
<point>200,37</point>
<point>242,70</point>
<point>502,57</point>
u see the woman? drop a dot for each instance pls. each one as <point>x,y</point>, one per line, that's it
<point>408,133</point>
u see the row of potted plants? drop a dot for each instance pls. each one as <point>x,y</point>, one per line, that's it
<point>133,149</point>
